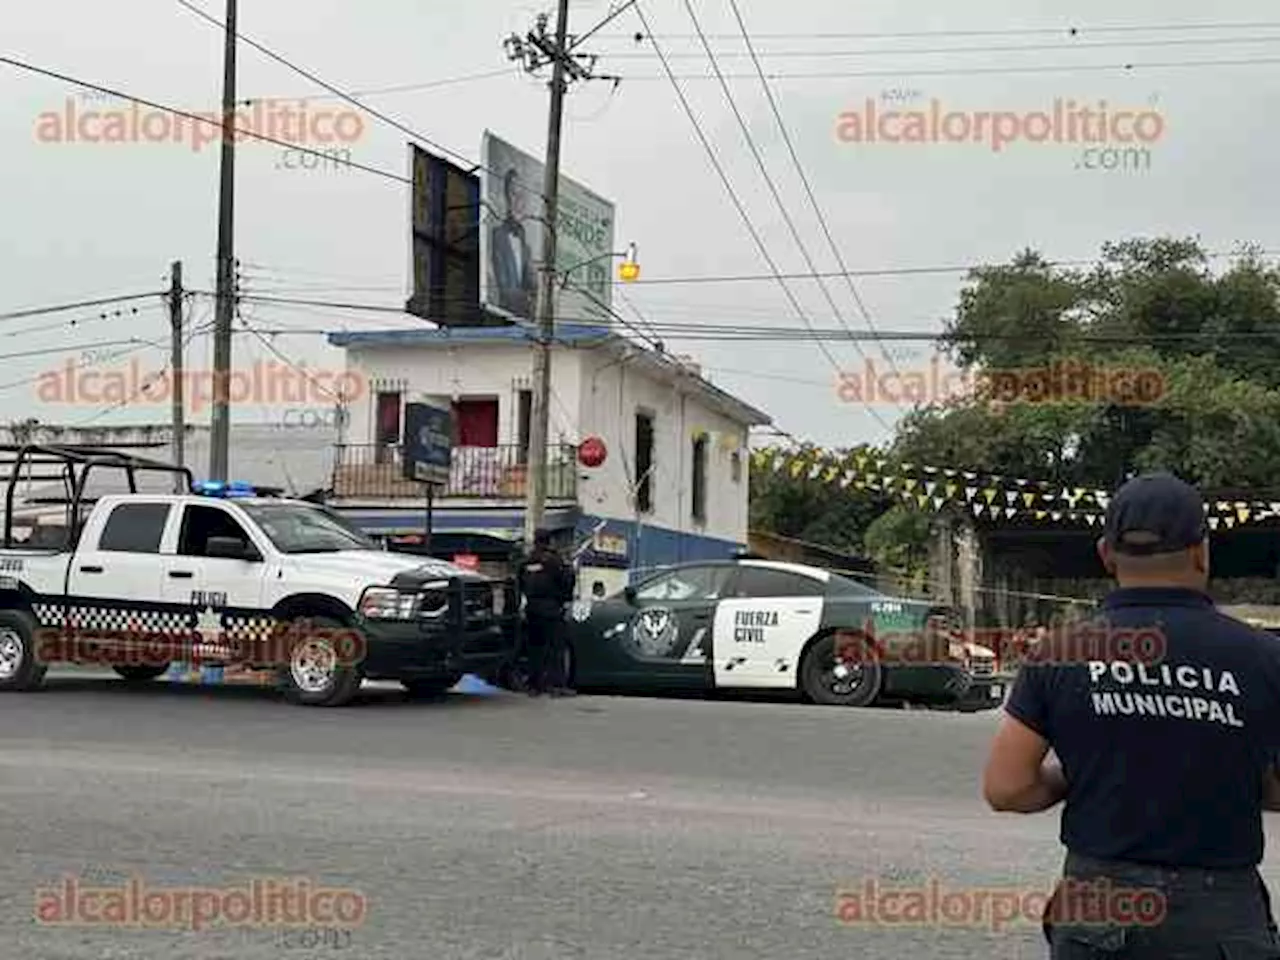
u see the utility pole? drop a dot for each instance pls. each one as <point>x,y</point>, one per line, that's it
<point>176,365</point>
<point>536,50</point>
<point>220,427</point>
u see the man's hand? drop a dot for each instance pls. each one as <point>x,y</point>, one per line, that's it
<point>1018,777</point>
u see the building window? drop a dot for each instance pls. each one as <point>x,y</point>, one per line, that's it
<point>644,462</point>
<point>524,423</point>
<point>700,478</point>
<point>135,528</point>
<point>477,422</point>
<point>387,428</point>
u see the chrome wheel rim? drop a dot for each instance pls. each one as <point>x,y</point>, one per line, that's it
<point>12,653</point>
<point>313,666</point>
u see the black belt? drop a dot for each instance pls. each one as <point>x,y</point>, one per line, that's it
<point>1082,867</point>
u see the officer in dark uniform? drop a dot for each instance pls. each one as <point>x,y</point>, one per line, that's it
<point>1164,716</point>
<point>547,582</point>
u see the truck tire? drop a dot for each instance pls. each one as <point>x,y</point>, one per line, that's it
<point>20,670</point>
<point>434,687</point>
<point>140,673</point>
<point>826,680</point>
<point>314,675</point>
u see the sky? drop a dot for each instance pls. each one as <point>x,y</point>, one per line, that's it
<point>92,220</point>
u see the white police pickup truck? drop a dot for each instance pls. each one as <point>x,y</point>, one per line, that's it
<point>224,576</point>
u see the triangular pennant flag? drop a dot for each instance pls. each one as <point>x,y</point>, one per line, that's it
<point>970,492</point>
<point>1243,513</point>
<point>930,486</point>
<point>990,494</point>
<point>1040,514</point>
<point>1010,512</point>
<point>1229,521</point>
<point>1010,496</point>
<point>938,503</point>
<point>1213,523</point>
<point>1029,498</point>
<point>1056,515</point>
<point>1104,500</point>
<point>951,489</point>
<point>911,484</point>
<point>977,509</point>
<point>921,500</point>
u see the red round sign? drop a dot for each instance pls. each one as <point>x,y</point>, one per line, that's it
<point>593,452</point>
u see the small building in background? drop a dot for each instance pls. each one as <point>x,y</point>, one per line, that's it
<point>672,486</point>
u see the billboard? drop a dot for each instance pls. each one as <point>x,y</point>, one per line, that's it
<point>445,236</point>
<point>511,239</point>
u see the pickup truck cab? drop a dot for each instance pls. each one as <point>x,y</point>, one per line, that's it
<point>222,576</point>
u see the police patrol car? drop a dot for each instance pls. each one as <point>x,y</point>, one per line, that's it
<point>757,624</point>
<point>224,575</point>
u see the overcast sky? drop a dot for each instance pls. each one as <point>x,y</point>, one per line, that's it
<point>84,220</point>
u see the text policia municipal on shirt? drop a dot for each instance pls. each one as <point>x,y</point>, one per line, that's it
<point>1165,691</point>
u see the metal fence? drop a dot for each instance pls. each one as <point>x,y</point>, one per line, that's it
<point>487,473</point>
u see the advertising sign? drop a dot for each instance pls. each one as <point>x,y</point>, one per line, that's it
<point>511,240</point>
<point>428,443</point>
<point>445,241</point>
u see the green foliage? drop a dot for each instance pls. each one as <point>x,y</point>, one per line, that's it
<point>898,541</point>
<point>1210,342</point>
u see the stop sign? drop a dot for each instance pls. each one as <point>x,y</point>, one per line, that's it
<point>592,452</point>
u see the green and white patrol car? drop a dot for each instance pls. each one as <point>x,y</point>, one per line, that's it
<point>765,625</point>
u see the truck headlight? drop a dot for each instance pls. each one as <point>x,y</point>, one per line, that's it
<point>380,603</point>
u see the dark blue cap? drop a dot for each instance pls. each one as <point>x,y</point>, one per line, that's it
<point>1155,513</point>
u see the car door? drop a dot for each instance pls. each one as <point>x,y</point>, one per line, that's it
<point>224,597</point>
<point>666,637</point>
<point>114,585</point>
<point>762,626</point>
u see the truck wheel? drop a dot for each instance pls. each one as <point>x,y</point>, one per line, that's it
<point>140,674</point>
<point>19,668</point>
<point>435,687</point>
<point>315,675</point>
<point>841,681</point>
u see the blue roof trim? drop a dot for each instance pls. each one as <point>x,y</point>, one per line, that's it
<point>565,333</point>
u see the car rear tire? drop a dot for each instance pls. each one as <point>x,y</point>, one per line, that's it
<point>315,674</point>
<point>20,669</point>
<point>834,681</point>
<point>140,673</point>
<point>435,687</point>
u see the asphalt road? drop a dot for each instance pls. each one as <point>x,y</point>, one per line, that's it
<point>498,827</point>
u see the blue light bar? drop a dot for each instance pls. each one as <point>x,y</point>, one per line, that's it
<point>217,488</point>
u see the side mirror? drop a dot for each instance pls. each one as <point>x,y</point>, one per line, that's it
<point>230,548</point>
<point>630,594</point>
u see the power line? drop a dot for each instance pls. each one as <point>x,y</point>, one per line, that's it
<point>79,305</point>
<point>769,181</point>
<point>407,87</point>
<point>78,322</point>
<point>813,200</point>
<point>1127,67</point>
<point>346,97</point>
<point>733,195</point>
<point>935,51</point>
<point>239,132</point>
<point>1065,29</point>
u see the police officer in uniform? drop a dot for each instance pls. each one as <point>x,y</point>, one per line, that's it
<point>1164,719</point>
<point>547,582</point>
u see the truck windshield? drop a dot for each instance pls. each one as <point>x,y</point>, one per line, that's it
<point>295,528</point>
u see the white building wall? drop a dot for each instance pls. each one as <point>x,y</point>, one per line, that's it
<point>470,371</point>
<point>613,391</point>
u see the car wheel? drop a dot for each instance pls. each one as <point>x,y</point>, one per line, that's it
<point>20,670</point>
<point>434,687</point>
<point>315,674</point>
<point>842,680</point>
<point>140,674</point>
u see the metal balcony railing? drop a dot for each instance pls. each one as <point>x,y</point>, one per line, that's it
<point>493,473</point>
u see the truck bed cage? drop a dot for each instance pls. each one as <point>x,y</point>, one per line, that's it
<point>71,465</point>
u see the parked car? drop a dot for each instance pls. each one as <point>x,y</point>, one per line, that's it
<point>224,575</point>
<point>764,625</point>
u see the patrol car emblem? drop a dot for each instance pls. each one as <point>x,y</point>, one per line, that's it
<point>581,610</point>
<point>656,631</point>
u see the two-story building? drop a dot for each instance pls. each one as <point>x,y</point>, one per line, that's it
<point>673,485</point>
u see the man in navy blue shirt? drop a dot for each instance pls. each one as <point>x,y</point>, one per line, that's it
<point>1164,719</point>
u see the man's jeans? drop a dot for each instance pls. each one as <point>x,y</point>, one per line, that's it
<point>1139,912</point>
<point>546,638</point>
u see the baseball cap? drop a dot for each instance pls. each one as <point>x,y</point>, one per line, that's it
<point>1155,513</point>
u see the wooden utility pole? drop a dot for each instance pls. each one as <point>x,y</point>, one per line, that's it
<point>220,427</point>
<point>536,50</point>
<point>177,366</point>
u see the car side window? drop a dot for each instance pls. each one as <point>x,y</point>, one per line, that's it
<point>201,523</point>
<point>767,582</point>
<point>688,583</point>
<point>134,528</point>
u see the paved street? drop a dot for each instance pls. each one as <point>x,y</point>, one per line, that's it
<point>496,827</point>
